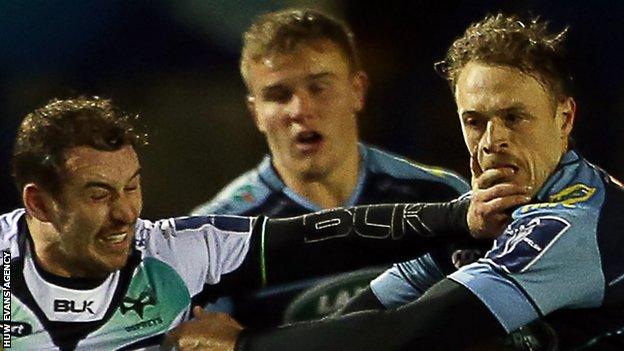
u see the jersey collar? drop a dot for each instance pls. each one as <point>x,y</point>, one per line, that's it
<point>269,175</point>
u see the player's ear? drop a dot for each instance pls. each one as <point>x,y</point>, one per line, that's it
<point>37,202</point>
<point>566,110</point>
<point>359,83</point>
<point>251,106</point>
<point>566,113</point>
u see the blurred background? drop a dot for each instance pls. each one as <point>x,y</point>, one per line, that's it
<point>175,62</point>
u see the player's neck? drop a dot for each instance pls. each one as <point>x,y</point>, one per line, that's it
<point>330,190</point>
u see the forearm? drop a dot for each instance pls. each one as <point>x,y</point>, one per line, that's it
<point>345,239</point>
<point>448,317</point>
<point>338,240</point>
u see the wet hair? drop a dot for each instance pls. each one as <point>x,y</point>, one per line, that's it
<point>46,133</point>
<point>526,45</point>
<point>282,31</point>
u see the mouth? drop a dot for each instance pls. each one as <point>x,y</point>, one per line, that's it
<point>514,168</point>
<point>498,170</point>
<point>308,141</point>
<point>115,241</point>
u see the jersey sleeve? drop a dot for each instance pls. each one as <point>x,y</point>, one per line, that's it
<point>407,281</point>
<point>547,259</point>
<point>200,248</point>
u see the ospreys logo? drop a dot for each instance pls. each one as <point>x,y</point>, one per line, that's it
<point>145,298</point>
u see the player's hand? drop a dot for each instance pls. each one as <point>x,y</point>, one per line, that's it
<point>464,257</point>
<point>209,331</point>
<point>492,198</point>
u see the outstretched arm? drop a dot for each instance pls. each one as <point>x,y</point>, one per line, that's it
<point>285,250</point>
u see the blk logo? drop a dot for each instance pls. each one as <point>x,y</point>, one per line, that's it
<point>70,306</point>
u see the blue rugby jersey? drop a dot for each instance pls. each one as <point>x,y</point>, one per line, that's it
<point>383,178</point>
<point>561,257</point>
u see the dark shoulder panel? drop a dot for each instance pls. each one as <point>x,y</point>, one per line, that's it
<point>611,240</point>
<point>406,172</point>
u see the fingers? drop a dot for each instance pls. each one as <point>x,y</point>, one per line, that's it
<point>171,339</point>
<point>495,210</point>
<point>475,169</point>
<point>502,204</point>
<point>198,311</point>
<point>501,190</point>
<point>494,176</point>
<point>488,214</point>
<point>465,256</point>
<point>188,344</point>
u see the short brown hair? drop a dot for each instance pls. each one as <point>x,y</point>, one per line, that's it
<point>526,45</point>
<point>46,133</point>
<point>282,31</point>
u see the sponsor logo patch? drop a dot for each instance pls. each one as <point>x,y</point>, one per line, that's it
<point>525,241</point>
<point>245,194</point>
<point>567,198</point>
<point>71,306</point>
<point>144,324</point>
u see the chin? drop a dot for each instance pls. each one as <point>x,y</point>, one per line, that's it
<point>110,266</point>
<point>111,263</point>
<point>313,173</point>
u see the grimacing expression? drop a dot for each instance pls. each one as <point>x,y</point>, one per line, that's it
<point>305,102</point>
<point>511,120</point>
<point>98,207</point>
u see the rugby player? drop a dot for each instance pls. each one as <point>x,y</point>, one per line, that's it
<point>306,88</point>
<point>87,273</point>
<point>559,259</point>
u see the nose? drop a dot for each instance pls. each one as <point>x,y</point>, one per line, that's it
<point>496,137</point>
<point>124,209</point>
<point>299,106</point>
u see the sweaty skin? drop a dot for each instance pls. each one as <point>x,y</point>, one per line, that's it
<point>94,215</point>
<point>305,102</point>
<point>516,131</point>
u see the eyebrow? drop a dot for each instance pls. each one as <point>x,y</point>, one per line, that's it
<point>99,184</point>
<point>321,75</point>
<point>315,76</point>
<point>513,108</point>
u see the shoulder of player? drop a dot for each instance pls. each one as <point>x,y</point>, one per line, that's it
<point>244,193</point>
<point>382,162</point>
<point>193,227</point>
<point>573,210</point>
<point>9,227</point>
<point>577,193</point>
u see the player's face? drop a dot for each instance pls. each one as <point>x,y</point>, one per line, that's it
<point>96,211</point>
<point>305,102</point>
<point>512,123</point>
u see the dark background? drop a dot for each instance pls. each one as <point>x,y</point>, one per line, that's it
<point>175,62</point>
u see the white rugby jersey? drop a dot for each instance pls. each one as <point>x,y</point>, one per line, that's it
<point>171,261</point>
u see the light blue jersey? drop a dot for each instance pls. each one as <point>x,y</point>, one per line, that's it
<point>561,258</point>
<point>561,252</point>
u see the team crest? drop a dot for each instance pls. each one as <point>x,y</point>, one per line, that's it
<point>525,241</point>
<point>145,298</point>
